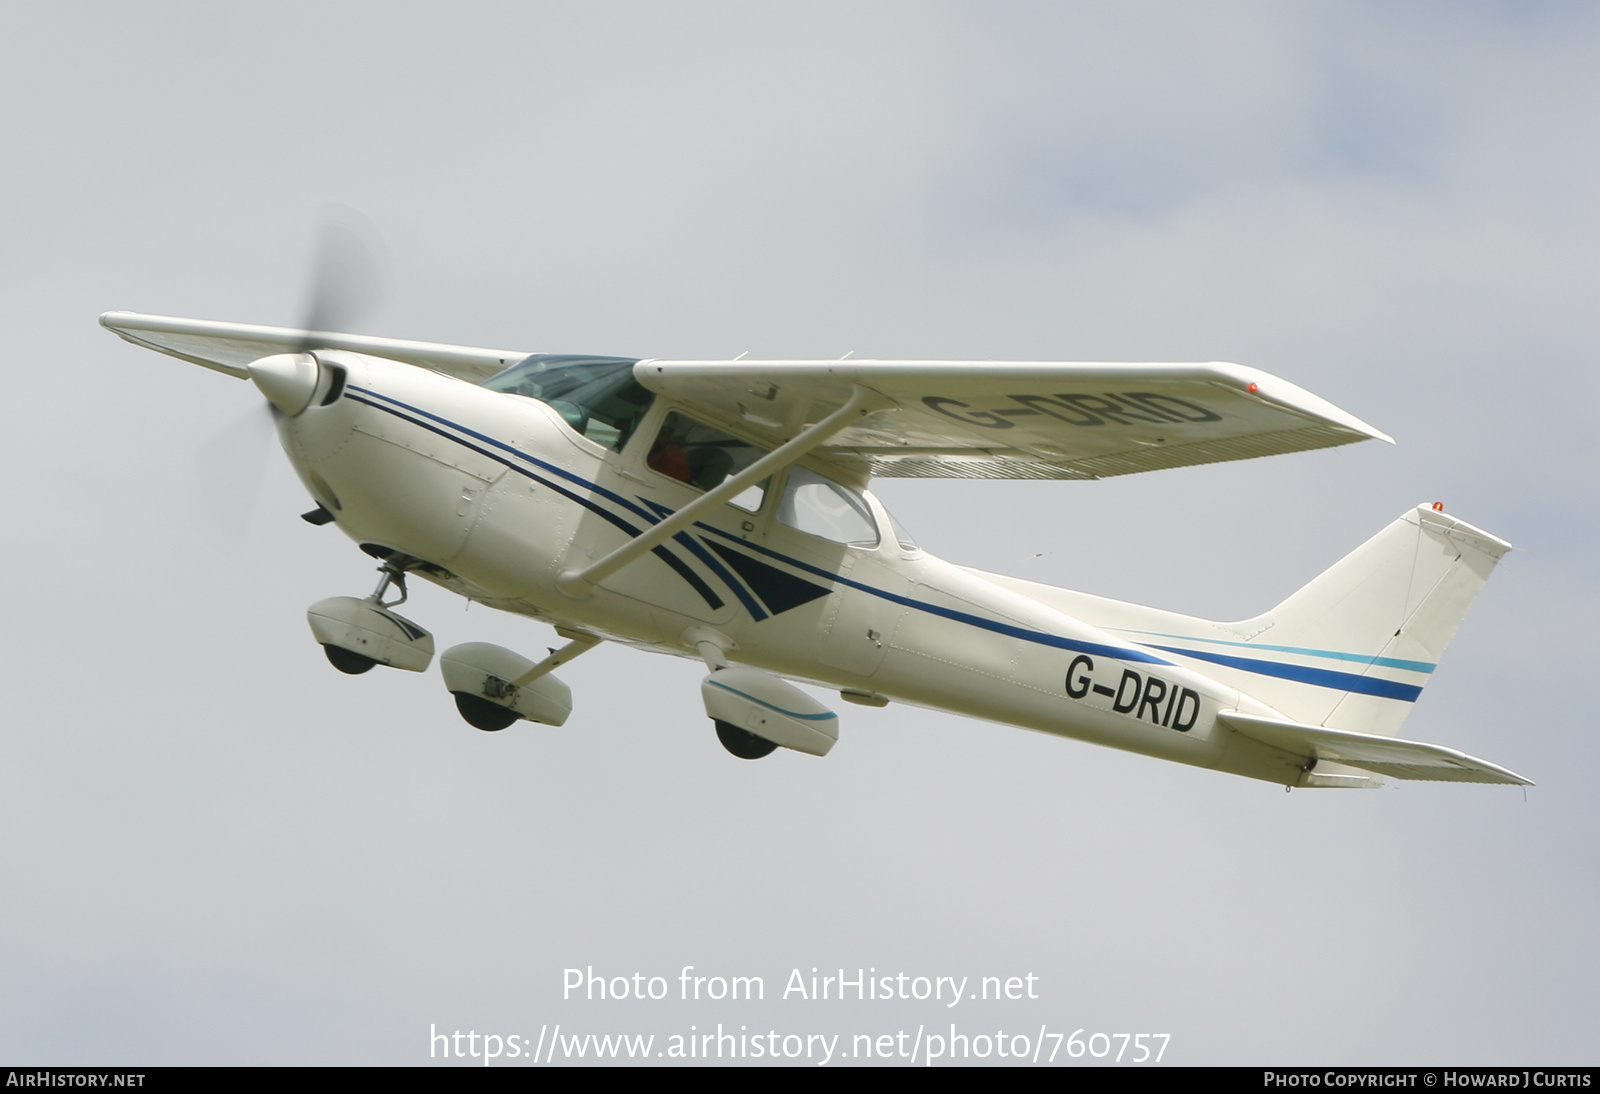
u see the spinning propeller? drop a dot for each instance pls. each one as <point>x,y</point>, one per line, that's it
<point>351,276</point>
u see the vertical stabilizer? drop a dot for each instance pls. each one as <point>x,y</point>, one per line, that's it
<point>1353,649</point>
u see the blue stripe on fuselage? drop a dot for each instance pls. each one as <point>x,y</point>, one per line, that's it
<point>1040,637</point>
<point>694,580</point>
<point>1302,674</point>
<point>1331,655</point>
<point>751,604</point>
<point>1339,681</point>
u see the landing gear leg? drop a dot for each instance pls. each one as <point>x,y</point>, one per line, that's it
<point>390,573</point>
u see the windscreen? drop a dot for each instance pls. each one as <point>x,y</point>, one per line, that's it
<point>597,396</point>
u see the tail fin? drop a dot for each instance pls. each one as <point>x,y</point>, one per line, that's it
<point>1353,649</point>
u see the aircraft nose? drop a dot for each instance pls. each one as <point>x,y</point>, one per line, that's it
<point>288,380</point>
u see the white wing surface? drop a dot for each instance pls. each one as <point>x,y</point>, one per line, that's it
<point>229,347</point>
<point>943,419</point>
<point>1004,420</point>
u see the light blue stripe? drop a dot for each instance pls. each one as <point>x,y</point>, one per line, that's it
<point>823,717</point>
<point>1332,655</point>
<point>1302,674</point>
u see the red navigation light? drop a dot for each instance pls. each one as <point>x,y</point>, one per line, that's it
<point>1438,507</point>
<point>1252,388</point>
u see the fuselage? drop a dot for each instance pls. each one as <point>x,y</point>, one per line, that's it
<point>496,496</point>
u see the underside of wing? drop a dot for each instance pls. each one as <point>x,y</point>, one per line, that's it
<point>1383,755</point>
<point>229,347</point>
<point>997,420</point>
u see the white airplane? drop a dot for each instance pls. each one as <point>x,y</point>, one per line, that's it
<point>719,510</point>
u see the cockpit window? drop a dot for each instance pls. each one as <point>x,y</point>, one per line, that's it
<point>704,457</point>
<point>597,396</point>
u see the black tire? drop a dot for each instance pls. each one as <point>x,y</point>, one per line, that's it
<point>348,660</point>
<point>742,743</point>
<point>482,714</point>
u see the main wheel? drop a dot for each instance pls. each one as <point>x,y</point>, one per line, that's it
<point>742,743</point>
<point>482,714</point>
<point>348,660</point>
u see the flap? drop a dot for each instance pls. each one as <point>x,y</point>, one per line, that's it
<point>1016,420</point>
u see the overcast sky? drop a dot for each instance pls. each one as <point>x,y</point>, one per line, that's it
<point>216,849</point>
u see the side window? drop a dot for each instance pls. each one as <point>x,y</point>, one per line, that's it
<point>821,507</point>
<point>704,457</point>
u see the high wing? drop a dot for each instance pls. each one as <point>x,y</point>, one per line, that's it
<point>229,347</point>
<point>939,419</point>
<point>1007,420</point>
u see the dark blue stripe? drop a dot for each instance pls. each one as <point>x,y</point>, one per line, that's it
<point>683,538</point>
<point>550,467</point>
<point>751,605</point>
<point>695,581</point>
<point>1041,638</point>
<point>1300,674</point>
<point>712,563</point>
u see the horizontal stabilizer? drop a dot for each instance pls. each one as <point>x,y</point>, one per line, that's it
<point>1383,755</point>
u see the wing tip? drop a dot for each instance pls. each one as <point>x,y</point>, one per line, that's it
<point>1275,389</point>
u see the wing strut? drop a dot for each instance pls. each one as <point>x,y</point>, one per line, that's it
<point>579,584</point>
<point>580,644</point>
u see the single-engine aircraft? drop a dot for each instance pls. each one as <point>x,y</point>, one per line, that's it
<point>720,510</point>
